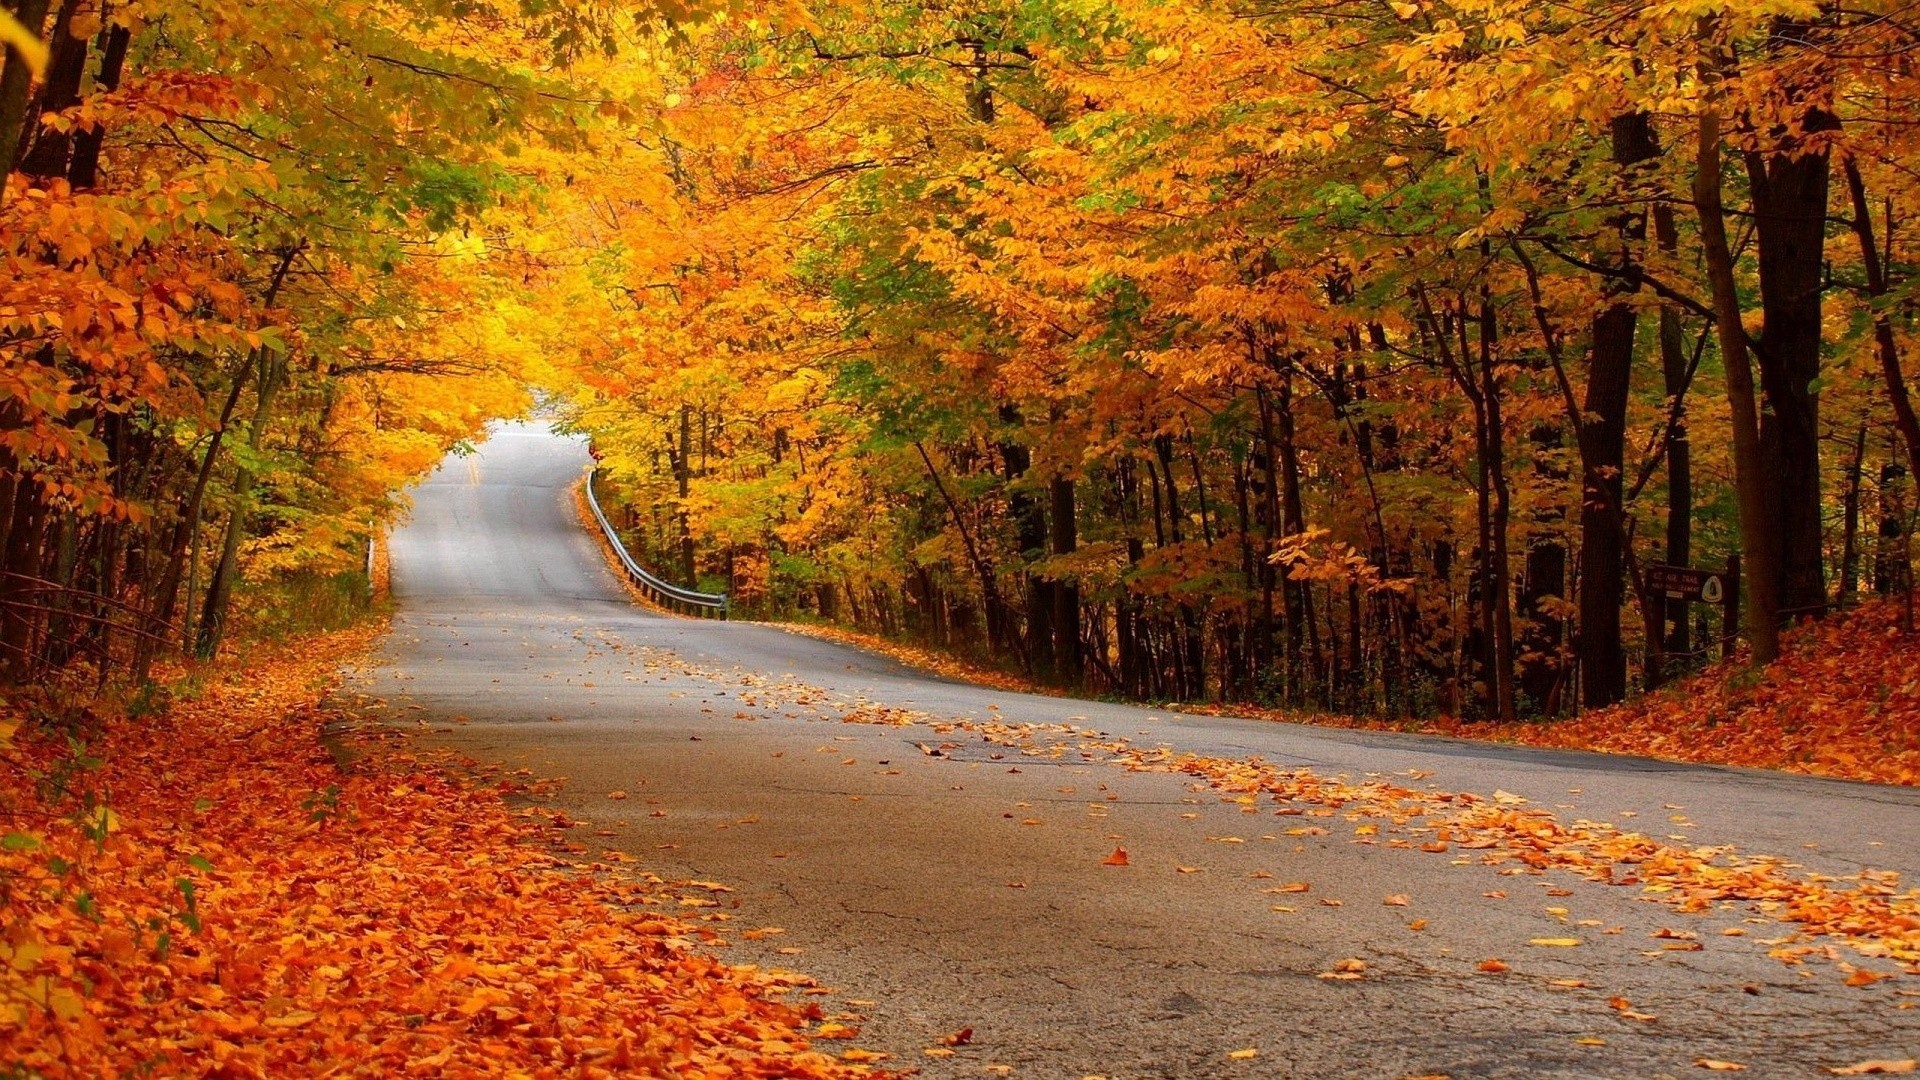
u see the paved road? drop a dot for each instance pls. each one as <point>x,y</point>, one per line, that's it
<point>967,890</point>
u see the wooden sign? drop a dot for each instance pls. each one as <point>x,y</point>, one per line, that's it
<point>1687,583</point>
<point>1663,585</point>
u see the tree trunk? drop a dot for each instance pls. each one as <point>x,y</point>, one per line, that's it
<point>213,612</point>
<point>1603,432</point>
<point>1066,593</point>
<point>1790,217</point>
<point>1759,535</point>
<point>1885,346</point>
<point>16,81</point>
<point>1676,374</point>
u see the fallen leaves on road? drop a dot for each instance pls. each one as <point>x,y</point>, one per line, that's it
<point>1867,911</point>
<point>251,909</point>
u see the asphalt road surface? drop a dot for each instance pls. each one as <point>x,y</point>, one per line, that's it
<point>966,887</point>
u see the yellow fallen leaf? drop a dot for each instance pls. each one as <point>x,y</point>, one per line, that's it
<point>1590,1041</point>
<point>1719,1066</point>
<point>1875,1068</point>
<point>1555,942</point>
<point>862,1057</point>
<point>938,1052</point>
<point>1244,1055</point>
<point>1397,900</point>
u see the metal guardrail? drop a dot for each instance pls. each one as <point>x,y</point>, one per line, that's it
<point>664,593</point>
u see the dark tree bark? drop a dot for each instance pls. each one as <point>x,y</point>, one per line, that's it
<point>1677,375</point>
<point>41,152</point>
<point>1759,533</point>
<point>16,81</point>
<point>1790,217</point>
<point>1066,594</point>
<point>1603,432</point>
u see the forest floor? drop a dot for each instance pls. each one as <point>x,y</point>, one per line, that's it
<point>1843,701</point>
<point>226,887</point>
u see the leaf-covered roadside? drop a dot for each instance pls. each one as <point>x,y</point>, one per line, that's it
<point>241,906</point>
<point>1840,702</point>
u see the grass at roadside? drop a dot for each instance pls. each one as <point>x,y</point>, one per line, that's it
<point>207,891</point>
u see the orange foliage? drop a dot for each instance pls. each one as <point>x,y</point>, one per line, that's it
<point>246,907</point>
<point>1843,700</point>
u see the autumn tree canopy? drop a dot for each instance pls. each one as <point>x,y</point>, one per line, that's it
<point>1358,355</point>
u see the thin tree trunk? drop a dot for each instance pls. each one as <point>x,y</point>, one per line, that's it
<point>214,610</point>
<point>1066,594</point>
<point>1885,347</point>
<point>1759,536</point>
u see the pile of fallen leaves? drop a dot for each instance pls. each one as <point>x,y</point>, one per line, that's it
<point>216,895</point>
<point>1842,700</point>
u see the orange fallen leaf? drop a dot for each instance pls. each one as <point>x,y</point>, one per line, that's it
<point>1719,1066</point>
<point>832,1030</point>
<point>1876,1068</point>
<point>1397,900</point>
<point>1494,967</point>
<point>1118,858</point>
